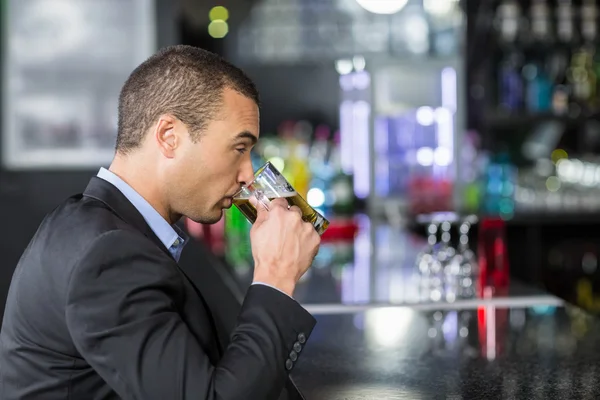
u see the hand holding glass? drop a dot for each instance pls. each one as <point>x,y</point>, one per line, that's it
<point>269,184</point>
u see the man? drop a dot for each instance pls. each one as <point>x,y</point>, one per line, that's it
<point>98,306</point>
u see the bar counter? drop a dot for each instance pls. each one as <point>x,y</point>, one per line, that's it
<point>486,352</point>
<point>378,336</point>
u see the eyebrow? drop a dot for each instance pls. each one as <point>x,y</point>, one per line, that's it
<point>246,135</point>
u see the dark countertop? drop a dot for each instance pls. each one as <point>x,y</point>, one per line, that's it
<point>381,336</point>
<point>478,353</point>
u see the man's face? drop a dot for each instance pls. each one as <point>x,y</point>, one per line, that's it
<point>206,174</point>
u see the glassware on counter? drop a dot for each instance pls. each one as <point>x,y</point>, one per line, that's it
<point>428,261</point>
<point>467,262</point>
<point>447,271</point>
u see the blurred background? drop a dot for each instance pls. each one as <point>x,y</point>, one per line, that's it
<point>452,144</point>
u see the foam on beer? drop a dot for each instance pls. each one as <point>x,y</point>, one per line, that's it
<point>269,194</point>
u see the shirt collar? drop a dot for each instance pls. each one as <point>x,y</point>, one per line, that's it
<point>170,235</point>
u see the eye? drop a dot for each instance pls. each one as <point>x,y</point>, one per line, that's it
<point>241,150</point>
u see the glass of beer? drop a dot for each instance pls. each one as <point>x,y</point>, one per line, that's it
<point>269,184</point>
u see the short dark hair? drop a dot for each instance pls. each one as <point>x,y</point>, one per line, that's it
<point>184,81</point>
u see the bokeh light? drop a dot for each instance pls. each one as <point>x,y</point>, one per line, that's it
<point>218,29</point>
<point>219,13</point>
<point>558,154</point>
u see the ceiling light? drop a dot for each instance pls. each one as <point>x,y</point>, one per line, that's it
<point>382,6</point>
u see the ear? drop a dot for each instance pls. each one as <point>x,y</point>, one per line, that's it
<point>167,135</point>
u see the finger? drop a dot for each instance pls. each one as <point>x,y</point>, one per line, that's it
<point>262,205</point>
<point>309,228</point>
<point>280,202</point>
<point>261,202</point>
<point>296,209</point>
<point>316,243</point>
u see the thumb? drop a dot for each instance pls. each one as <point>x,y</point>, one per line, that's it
<point>262,205</point>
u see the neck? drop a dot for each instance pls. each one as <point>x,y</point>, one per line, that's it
<point>142,178</point>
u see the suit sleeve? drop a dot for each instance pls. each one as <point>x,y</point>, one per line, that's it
<point>122,316</point>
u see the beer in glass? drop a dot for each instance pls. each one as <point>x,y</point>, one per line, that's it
<point>269,184</point>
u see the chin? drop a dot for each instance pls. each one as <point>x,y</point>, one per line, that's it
<point>208,219</point>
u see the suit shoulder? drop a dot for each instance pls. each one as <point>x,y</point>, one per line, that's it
<point>82,229</point>
<point>85,214</point>
<point>123,260</point>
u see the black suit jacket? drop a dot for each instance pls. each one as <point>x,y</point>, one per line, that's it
<point>99,309</point>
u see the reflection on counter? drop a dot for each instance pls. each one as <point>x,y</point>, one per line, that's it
<point>385,264</point>
<point>486,352</point>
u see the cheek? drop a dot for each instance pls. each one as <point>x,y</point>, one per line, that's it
<point>213,171</point>
<point>209,180</point>
<point>224,168</point>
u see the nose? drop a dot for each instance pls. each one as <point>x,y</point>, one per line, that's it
<point>246,172</point>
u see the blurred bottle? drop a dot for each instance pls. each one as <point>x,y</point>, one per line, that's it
<point>538,86</point>
<point>285,142</point>
<point>317,155</point>
<point>565,21</point>
<point>589,33</point>
<point>511,84</point>
<point>295,142</point>
<point>559,58</point>
<point>340,196</point>
<point>583,80</point>
<point>470,172</point>
<point>508,19</point>
<point>499,186</point>
<point>492,255</point>
<point>395,138</point>
<point>321,172</point>
<point>302,172</point>
<point>540,22</point>
<point>238,252</point>
<point>510,89</point>
<point>589,21</point>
